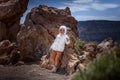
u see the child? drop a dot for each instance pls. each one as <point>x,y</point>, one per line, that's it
<point>58,47</point>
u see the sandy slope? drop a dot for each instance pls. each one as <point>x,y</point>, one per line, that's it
<point>29,72</point>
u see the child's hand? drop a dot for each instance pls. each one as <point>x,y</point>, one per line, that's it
<point>69,35</point>
<point>50,50</point>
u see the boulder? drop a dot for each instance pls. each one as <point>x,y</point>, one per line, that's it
<point>89,52</point>
<point>72,64</point>
<point>106,46</point>
<point>9,53</point>
<point>46,62</point>
<point>40,29</point>
<point>93,51</point>
<point>10,13</point>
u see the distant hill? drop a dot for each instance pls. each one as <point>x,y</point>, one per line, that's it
<point>97,30</point>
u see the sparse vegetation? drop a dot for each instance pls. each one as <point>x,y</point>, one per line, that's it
<point>106,68</point>
<point>79,46</point>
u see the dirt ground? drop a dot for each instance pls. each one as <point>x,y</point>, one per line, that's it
<point>29,72</point>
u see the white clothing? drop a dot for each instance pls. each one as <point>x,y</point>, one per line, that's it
<point>60,41</point>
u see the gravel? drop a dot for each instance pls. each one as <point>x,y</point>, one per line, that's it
<point>29,72</point>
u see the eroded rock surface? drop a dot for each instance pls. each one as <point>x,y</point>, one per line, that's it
<point>10,13</point>
<point>40,29</point>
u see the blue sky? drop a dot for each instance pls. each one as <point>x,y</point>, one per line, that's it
<point>83,10</point>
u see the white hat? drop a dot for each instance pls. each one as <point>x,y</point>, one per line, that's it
<point>63,27</point>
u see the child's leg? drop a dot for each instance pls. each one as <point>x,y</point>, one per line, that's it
<point>57,59</point>
<point>53,55</point>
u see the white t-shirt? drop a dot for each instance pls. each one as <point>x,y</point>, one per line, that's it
<point>59,42</point>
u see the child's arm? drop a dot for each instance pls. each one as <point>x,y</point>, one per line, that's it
<point>67,40</point>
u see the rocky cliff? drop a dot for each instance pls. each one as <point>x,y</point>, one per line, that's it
<point>10,13</point>
<point>40,29</point>
<point>99,30</point>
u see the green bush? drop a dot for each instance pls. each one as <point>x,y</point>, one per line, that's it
<point>106,68</point>
<point>79,46</point>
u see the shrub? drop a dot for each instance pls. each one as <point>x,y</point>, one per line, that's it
<point>106,68</point>
<point>79,46</point>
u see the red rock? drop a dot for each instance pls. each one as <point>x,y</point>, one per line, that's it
<point>105,47</point>
<point>88,53</point>
<point>40,29</point>
<point>105,44</point>
<point>10,13</point>
<point>9,53</point>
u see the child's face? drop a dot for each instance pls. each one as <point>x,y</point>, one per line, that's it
<point>62,31</point>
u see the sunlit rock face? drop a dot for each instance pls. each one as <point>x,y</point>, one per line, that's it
<point>40,29</point>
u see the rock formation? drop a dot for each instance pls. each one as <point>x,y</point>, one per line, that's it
<point>89,51</point>
<point>10,13</point>
<point>106,46</point>
<point>9,53</point>
<point>93,51</point>
<point>40,29</point>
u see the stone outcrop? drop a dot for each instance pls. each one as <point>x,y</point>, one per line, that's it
<point>93,51</point>
<point>10,13</point>
<point>40,28</point>
<point>106,46</point>
<point>9,53</point>
<point>88,53</point>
